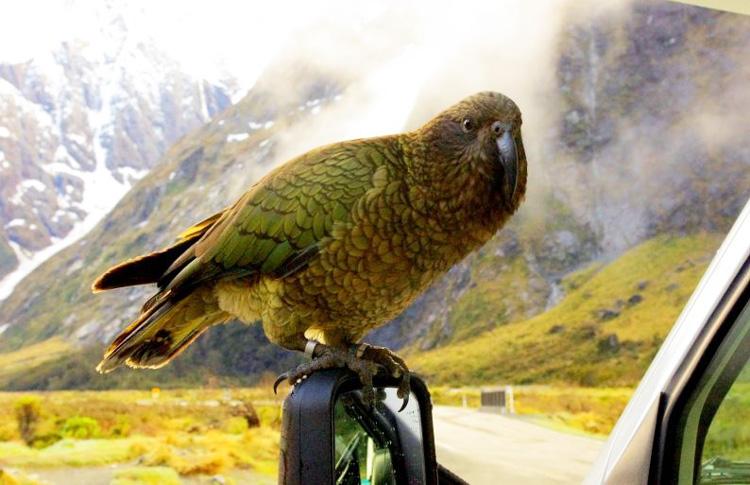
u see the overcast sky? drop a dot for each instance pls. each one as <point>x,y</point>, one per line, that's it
<point>239,37</point>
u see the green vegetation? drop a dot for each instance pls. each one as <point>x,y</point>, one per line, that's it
<point>231,355</point>
<point>603,333</point>
<point>171,433</point>
<point>80,427</point>
<point>74,452</point>
<point>487,305</point>
<point>729,434</point>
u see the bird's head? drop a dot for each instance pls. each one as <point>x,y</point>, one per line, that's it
<point>477,144</point>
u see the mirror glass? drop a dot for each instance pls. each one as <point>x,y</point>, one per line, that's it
<point>379,445</point>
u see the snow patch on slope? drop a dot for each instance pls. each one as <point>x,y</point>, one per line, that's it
<point>101,193</point>
<point>101,190</point>
<point>235,137</point>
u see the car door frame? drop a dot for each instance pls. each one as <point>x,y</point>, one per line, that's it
<point>676,400</point>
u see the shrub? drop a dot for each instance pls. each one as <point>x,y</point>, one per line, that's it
<point>269,415</point>
<point>8,431</point>
<point>45,440</point>
<point>203,464</point>
<point>80,427</point>
<point>235,425</point>
<point>121,428</point>
<point>247,411</point>
<point>28,412</point>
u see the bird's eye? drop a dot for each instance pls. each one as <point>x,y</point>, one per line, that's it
<point>467,124</point>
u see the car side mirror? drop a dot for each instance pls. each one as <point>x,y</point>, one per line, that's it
<point>330,435</point>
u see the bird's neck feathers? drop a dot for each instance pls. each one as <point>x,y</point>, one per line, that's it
<point>458,195</point>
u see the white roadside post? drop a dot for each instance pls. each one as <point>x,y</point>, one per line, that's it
<point>510,405</point>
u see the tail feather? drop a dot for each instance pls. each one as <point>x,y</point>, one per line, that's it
<point>163,331</point>
<point>142,270</point>
<point>171,319</point>
<point>151,268</point>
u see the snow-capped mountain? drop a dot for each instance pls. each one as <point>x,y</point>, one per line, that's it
<point>79,124</point>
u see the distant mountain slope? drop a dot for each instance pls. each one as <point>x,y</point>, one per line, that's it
<point>79,125</point>
<point>605,331</point>
<point>645,145</point>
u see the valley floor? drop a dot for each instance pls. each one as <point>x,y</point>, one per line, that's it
<point>193,436</point>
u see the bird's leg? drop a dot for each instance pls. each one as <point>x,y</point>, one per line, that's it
<point>329,357</point>
<point>362,359</point>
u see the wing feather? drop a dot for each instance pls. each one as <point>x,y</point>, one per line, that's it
<point>281,222</point>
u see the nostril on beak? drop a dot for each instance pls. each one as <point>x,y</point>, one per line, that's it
<point>498,128</point>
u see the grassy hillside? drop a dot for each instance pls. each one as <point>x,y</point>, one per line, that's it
<point>605,331</point>
<point>22,360</point>
<point>230,355</point>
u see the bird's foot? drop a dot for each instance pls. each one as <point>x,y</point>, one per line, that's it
<point>327,357</point>
<point>362,359</point>
<point>392,363</point>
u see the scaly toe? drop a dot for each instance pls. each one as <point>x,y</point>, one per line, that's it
<point>326,360</point>
<point>394,365</point>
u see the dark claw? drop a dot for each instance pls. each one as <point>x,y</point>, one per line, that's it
<point>403,392</point>
<point>403,405</point>
<point>283,377</point>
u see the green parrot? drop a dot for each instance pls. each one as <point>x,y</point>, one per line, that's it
<point>333,243</point>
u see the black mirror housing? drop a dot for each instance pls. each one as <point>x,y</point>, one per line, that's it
<point>307,448</point>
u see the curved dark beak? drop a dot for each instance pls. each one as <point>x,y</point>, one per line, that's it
<point>508,150</point>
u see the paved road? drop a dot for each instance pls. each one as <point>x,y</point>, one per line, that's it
<point>485,448</point>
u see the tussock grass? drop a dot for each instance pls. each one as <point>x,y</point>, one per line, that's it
<point>70,452</point>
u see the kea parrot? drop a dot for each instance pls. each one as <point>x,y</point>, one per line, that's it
<point>333,243</point>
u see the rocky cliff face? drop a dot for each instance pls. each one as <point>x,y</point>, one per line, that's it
<point>650,129</point>
<point>647,111</point>
<point>79,125</point>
